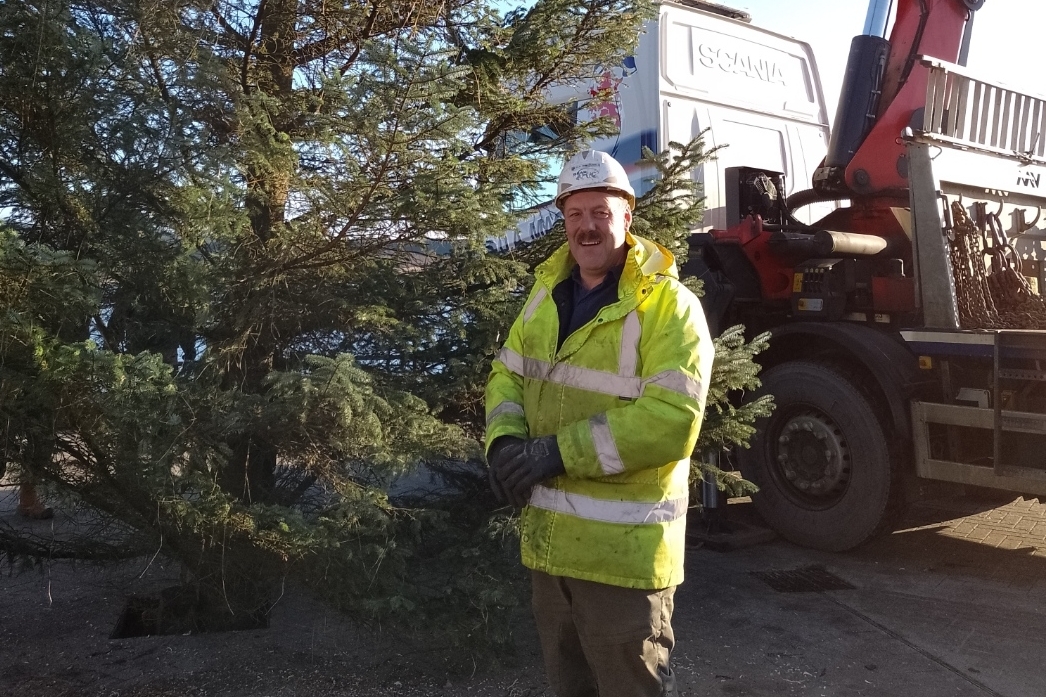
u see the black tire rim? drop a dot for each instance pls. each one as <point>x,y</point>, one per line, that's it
<point>809,457</point>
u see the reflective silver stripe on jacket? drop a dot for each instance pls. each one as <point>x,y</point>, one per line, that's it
<point>606,449</point>
<point>532,306</point>
<point>504,408</point>
<point>600,381</point>
<point>571,375</point>
<point>533,368</point>
<point>627,512</point>
<point>678,382</point>
<point>628,358</point>
<point>596,381</point>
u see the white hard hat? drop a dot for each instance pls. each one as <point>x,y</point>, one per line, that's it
<point>594,169</point>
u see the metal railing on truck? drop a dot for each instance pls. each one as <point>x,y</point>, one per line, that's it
<point>967,111</point>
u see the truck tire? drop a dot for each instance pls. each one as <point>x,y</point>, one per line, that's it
<point>822,460</point>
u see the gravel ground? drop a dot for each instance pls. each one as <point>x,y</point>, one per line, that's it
<point>56,622</point>
<point>950,606</point>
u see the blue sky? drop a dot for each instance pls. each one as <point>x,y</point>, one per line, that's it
<point>1007,37</point>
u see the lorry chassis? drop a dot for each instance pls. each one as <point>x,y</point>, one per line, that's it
<point>881,371</point>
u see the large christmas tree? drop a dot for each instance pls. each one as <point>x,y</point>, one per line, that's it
<point>244,280</point>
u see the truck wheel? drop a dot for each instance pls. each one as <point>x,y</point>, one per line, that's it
<point>822,460</point>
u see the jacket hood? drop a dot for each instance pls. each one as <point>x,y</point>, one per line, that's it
<point>652,258</point>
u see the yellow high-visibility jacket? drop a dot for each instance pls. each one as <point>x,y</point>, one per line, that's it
<point>624,396</point>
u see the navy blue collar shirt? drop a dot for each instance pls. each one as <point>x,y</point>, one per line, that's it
<point>578,305</point>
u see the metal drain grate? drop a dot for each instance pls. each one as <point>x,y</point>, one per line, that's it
<point>811,579</point>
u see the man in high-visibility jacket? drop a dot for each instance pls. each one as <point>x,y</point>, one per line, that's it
<point>593,408</point>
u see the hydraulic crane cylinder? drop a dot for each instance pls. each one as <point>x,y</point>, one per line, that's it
<point>878,16</point>
<point>828,243</point>
<point>862,86</point>
<point>858,99</point>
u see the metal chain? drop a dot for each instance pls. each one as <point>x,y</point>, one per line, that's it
<point>1002,299</point>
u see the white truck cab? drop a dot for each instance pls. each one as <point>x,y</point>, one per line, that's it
<point>757,93</point>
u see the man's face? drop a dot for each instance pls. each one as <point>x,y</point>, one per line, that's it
<point>596,222</point>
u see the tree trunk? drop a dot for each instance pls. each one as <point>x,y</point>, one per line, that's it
<point>250,474</point>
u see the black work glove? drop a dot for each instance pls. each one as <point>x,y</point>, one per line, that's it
<point>537,461</point>
<point>501,451</point>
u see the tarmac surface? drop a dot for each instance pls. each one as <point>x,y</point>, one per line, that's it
<point>953,604</point>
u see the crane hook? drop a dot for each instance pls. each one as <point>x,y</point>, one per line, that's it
<point>1023,226</point>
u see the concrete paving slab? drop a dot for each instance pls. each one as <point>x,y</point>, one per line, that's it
<point>933,612</point>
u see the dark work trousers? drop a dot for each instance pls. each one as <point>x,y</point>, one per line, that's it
<point>604,640</point>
